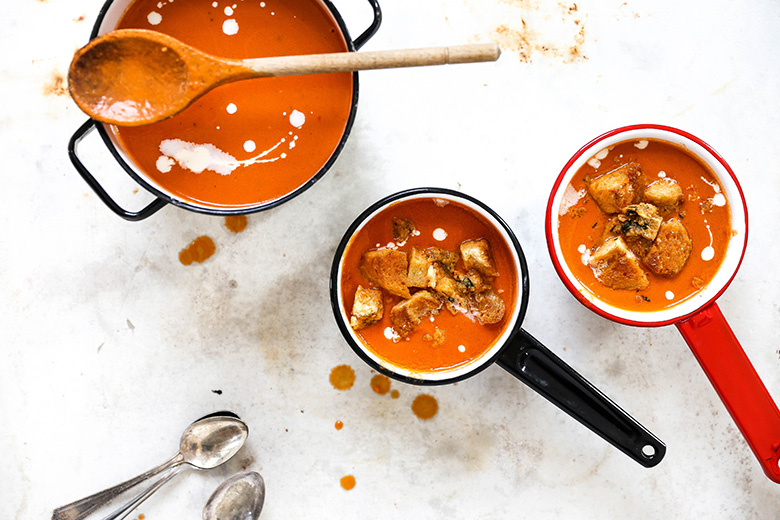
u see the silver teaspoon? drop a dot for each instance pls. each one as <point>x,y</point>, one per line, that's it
<point>240,497</point>
<point>205,444</point>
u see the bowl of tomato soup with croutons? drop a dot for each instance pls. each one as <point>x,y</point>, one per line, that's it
<point>646,224</point>
<point>249,145</point>
<point>428,285</point>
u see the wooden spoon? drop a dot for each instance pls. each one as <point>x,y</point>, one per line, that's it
<point>133,77</point>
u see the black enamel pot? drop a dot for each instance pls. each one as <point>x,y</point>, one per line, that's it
<point>107,20</point>
<point>516,351</point>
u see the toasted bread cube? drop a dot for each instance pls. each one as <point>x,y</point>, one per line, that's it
<point>367,309</point>
<point>477,255</point>
<point>671,249</point>
<point>665,193</point>
<point>615,266</point>
<point>419,263</point>
<point>447,286</point>
<point>407,314</point>
<point>487,306</point>
<point>447,259</point>
<point>386,268</point>
<point>640,220</point>
<point>402,229</point>
<point>616,189</point>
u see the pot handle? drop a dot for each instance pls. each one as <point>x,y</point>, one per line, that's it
<point>535,365</point>
<point>78,135</point>
<point>372,29</point>
<point>737,383</point>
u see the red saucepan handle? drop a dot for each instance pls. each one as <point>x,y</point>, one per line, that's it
<point>737,383</point>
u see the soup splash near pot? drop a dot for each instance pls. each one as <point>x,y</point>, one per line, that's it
<point>246,146</point>
<point>646,225</point>
<point>430,286</point>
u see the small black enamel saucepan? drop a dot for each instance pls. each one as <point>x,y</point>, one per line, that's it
<point>516,350</point>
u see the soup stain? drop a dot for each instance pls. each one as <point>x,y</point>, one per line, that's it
<point>342,377</point>
<point>425,406</point>
<point>199,250</point>
<point>236,223</point>
<point>338,425</point>
<point>380,384</point>
<point>348,482</point>
<point>394,394</point>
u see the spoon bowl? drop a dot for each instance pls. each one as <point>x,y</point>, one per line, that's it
<point>133,77</point>
<point>240,497</point>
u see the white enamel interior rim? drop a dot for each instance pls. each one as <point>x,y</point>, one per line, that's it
<point>736,246</point>
<point>462,370</point>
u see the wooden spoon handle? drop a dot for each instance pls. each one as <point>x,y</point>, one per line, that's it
<point>353,61</point>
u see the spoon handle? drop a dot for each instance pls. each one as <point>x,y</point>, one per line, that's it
<point>134,502</point>
<point>353,61</point>
<point>82,508</point>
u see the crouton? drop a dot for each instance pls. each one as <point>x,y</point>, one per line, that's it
<point>615,266</point>
<point>640,220</point>
<point>665,193</point>
<point>477,255</point>
<point>402,229</point>
<point>386,268</point>
<point>407,314</point>
<point>487,306</point>
<point>671,249</point>
<point>367,309</point>
<point>616,189</point>
<point>447,286</point>
<point>417,274</point>
<point>447,259</point>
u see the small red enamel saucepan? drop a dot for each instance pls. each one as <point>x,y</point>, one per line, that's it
<point>515,350</point>
<point>698,318</point>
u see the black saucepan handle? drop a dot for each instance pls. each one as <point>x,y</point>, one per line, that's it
<point>148,211</point>
<point>368,33</point>
<point>535,365</point>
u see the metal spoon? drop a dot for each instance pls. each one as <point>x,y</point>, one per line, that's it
<point>134,77</point>
<point>205,444</point>
<point>240,497</point>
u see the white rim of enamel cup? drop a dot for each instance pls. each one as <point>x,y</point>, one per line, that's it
<point>461,371</point>
<point>731,189</point>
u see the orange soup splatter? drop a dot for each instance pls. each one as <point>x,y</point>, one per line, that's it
<point>251,141</point>
<point>425,406</point>
<point>348,482</point>
<point>395,394</point>
<point>199,250</point>
<point>644,226</point>
<point>339,425</point>
<point>380,384</point>
<point>342,377</point>
<point>236,223</point>
<point>435,232</point>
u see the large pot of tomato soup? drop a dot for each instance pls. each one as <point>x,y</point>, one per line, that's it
<point>246,146</point>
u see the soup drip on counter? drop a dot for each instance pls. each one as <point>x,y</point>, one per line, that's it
<point>425,406</point>
<point>236,223</point>
<point>255,140</point>
<point>199,250</point>
<point>342,377</point>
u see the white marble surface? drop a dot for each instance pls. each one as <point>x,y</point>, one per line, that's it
<point>110,346</point>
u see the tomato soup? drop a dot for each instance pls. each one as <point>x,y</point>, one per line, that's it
<point>702,209</point>
<point>445,339</point>
<point>252,141</point>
